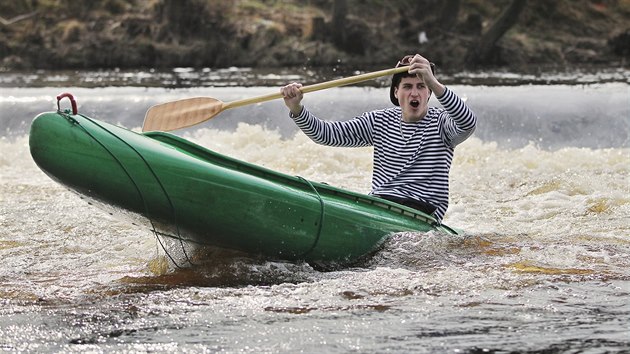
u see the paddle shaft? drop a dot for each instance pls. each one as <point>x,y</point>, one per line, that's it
<point>317,87</point>
<point>190,111</point>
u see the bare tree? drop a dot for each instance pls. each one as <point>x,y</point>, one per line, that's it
<point>448,14</point>
<point>482,50</point>
<point>15,19</point>
<point>339,29</point>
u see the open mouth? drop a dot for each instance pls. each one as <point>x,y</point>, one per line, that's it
<point>414,103</point>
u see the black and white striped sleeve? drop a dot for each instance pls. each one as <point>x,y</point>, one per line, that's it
<point>356,132</point>
<point>458,121</point>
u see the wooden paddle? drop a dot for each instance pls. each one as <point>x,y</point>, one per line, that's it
<point>190,111</point>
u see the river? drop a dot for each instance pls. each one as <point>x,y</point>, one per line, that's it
<point>541,191</point>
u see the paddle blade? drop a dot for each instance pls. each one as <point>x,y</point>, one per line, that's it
<point>181,113</point>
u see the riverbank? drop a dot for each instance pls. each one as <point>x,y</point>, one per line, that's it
<point>187,77</point>
<point>193,33</point>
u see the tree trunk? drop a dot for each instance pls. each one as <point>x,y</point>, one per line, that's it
<point>339,30</point>
<point>448,15</point>
<point>184,17</point>
<point>481,51</point>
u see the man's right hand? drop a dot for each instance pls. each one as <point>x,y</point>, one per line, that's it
<point>293,97</point>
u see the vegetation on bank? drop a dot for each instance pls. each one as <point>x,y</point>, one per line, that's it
<point>62,34</point>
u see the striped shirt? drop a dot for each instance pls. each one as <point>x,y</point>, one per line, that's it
<point>411,160</point>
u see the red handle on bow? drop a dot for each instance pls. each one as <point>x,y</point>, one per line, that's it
<point>72,102</point>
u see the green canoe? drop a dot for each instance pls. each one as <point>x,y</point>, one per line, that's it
<point>203,197</point>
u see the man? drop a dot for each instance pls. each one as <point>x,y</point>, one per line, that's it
<point>413,143</point>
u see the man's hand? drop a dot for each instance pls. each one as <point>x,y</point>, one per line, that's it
<point>293,97</point>
<point>420,66</point>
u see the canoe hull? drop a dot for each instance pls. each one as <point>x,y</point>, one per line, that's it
<point>203,197</point>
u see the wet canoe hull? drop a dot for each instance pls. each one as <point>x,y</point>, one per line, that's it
<point>194,194</point>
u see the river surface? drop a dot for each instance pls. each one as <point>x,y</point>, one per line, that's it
<point>542,191</point>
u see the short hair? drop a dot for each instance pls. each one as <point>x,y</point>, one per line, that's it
<point>398,77</point>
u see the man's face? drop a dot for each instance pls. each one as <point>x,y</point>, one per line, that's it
<point>413,96</point>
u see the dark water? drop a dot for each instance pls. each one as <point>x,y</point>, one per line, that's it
<point>542,191</point>
<point>550,110</point>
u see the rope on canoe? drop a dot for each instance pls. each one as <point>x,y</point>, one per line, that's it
<point>321,214</point>
<point>144,202</point>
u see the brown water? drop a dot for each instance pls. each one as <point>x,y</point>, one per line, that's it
<point>542,191</point>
